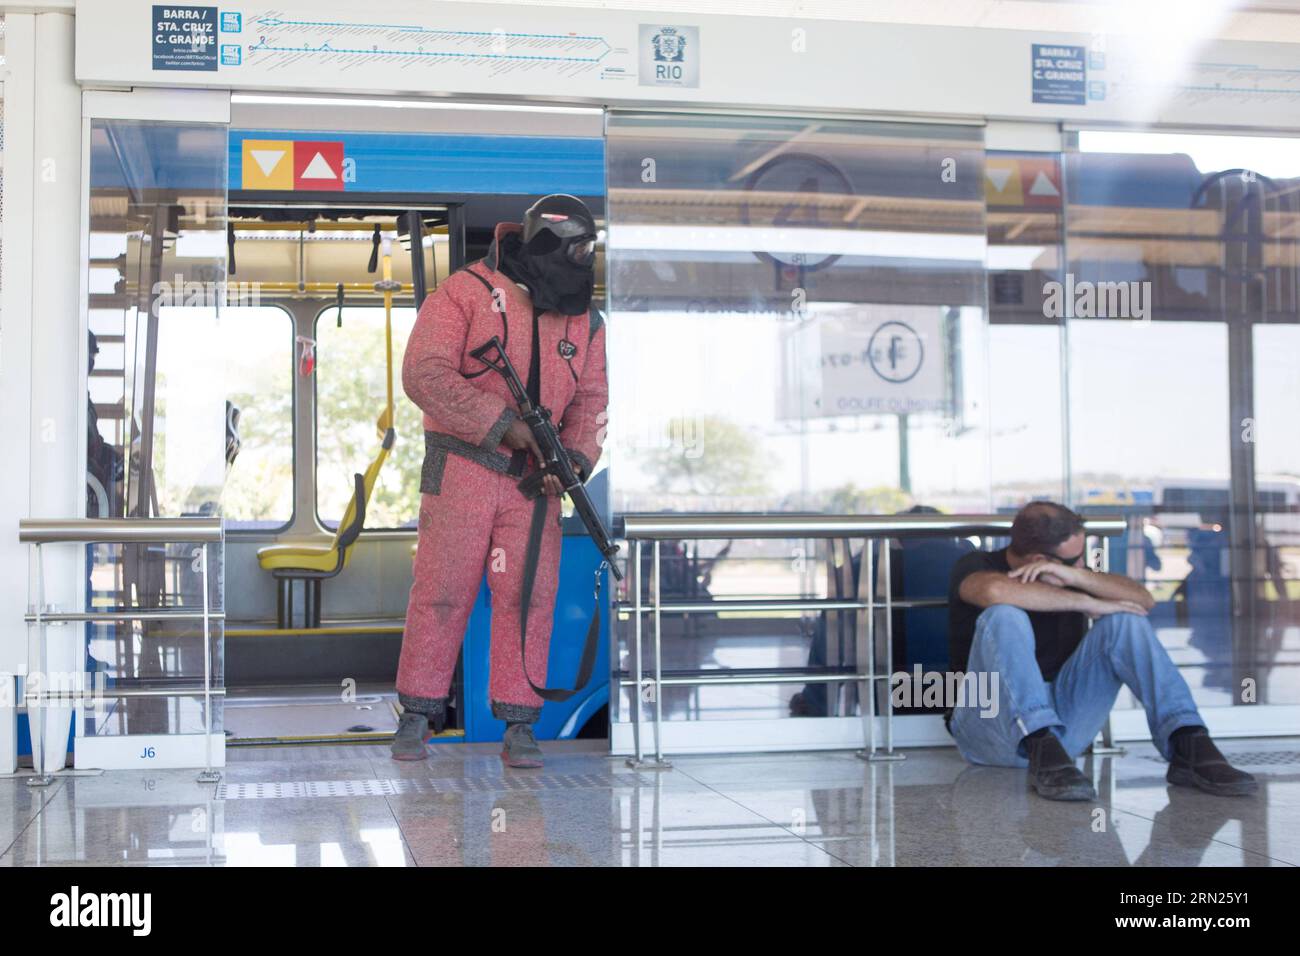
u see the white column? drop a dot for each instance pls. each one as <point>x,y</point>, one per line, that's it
<point>15,366</point>
<point>59,347</point>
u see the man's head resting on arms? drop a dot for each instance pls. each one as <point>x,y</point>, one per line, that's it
<point>1046,531</point>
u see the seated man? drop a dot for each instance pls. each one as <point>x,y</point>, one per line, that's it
<point>1022,613</point>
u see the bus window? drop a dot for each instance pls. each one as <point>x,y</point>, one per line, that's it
<point>350,389</point>
<point>259,361</point>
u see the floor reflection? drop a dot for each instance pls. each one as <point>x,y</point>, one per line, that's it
<point>353,806</point>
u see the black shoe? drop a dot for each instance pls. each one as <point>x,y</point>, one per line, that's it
<point>519,746</point>
<point>1053,774</point>
<point>1196,762</point>
<point>412,732</point>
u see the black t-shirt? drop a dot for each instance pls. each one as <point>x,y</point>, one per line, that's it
<point>1056,633</point>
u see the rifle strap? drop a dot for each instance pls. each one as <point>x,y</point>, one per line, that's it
<point>541,508</point>
<point>536,529</point>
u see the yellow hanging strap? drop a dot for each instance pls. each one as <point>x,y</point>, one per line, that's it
<point>387,286</point>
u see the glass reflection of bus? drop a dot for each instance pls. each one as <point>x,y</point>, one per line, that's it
<point>1181,544</point>
<point>295,362</point>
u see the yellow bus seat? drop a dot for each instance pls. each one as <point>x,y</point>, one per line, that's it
<point>312,564</point>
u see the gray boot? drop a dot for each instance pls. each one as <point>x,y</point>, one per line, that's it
<point>519,747</point>
<point>412,732</point>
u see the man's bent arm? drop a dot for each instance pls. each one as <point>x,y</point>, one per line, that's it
<point>986,588</point>
<point>1112,587</point>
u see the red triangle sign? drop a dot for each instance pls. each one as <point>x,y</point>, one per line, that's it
<point>317,166</point>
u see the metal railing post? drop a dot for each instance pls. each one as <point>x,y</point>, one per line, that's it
<point>635,761</point>
<point>207,775</point>
<point>867,699</point>
<point>1107,746</point>
<point>638,760</point>
<point>886,573</point>
<point>659,673</point>
<point>36,712</point>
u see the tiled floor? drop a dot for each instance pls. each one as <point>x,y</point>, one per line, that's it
<point>353,805</point>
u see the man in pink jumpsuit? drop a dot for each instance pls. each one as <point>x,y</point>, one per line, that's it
<point>533,291</point>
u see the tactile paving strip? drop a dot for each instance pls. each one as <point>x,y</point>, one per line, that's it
<point>1254,758</point>
<point>314,789</point>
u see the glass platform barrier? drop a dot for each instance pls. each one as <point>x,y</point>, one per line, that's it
<point>146,679</point>
<point>800,607</point>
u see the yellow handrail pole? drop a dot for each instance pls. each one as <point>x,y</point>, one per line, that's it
<point>387,286</point>
<point>388,326</point>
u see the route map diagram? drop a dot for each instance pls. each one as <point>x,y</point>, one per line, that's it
<point>1131,81</point>
<point>277,39</point>
<point>1244,82</point>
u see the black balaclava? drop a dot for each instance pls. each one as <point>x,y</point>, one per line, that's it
<point>554,255</point>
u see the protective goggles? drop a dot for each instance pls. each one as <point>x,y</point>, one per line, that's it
<point>581,250</point>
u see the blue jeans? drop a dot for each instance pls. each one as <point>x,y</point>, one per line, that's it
<point>1118,649</point>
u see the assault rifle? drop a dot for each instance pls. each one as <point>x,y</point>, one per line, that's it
<point>556,459</point>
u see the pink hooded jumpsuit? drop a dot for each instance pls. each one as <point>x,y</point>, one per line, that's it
<point>473,518</point>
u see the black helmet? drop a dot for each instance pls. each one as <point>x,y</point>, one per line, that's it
<point>560,222</point>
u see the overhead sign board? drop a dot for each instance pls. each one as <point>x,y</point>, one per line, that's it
<point>184,38</point>
<point>1060,74</point>
<point>628,58</point>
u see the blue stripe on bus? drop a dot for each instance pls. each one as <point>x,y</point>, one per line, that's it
<point>438,163</point>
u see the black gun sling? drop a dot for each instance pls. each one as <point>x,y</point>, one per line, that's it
<point>536,528</point>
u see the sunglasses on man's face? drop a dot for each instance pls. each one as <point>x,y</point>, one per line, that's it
<point>1063,560</point>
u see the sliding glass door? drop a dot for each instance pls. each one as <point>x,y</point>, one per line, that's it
<point>1182,355</point>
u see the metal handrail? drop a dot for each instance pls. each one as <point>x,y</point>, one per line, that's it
<point>793,604</point>
<point>100,693</point>
<point>762,678</point>
<point>655,528</point>
<point>123,614</point>
<point>659,526</point>
<point>118,530</point>
<point>775,605</point>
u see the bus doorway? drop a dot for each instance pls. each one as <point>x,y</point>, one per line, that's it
<point>323,297</point>
<point>321,496</point>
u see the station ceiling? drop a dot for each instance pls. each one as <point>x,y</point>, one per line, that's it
<point>1274,21</point>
